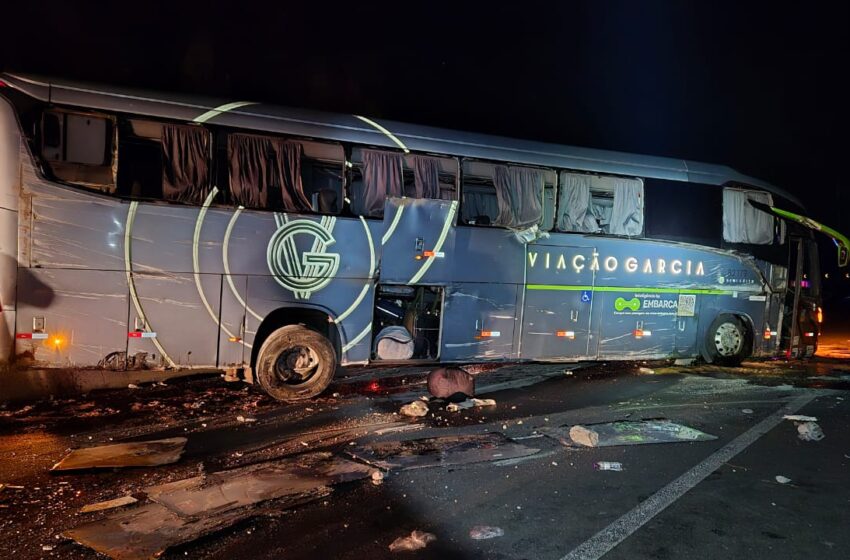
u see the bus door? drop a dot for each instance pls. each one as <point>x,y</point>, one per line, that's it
<point>417,245</point>
<point>799,321</point>
<point>559,300</point>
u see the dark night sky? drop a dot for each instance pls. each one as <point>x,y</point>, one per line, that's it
<point>758,87</point>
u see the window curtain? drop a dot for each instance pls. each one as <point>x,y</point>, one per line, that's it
<point>265,172</point>
<point>381,179</point>
<point>744,224</point>
<point>627,211</point>
<point>519,192</point>
<point>574,204</point>
<point>185,163</point>
<point>426,177</point>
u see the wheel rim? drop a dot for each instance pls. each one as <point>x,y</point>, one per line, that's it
<point>728,339</point>
<point>296,365</point>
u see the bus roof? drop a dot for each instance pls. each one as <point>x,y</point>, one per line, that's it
<point>390,134</point>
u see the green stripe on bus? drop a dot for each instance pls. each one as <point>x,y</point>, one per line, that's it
<point>559,287</point>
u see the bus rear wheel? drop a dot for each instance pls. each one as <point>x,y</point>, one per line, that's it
<point>728,341</point>
<point>295,363</point>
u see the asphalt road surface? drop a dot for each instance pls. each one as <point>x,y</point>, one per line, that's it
<point>699,499</point>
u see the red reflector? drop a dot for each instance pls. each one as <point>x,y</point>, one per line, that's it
<point>810,334</point>
<point>23,335</point>
<point>134,334</point>
<point>428,253</point>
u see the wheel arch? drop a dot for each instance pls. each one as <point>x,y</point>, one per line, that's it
<point>313,317</point>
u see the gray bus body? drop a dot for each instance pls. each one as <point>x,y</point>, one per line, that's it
<point>89,279</point>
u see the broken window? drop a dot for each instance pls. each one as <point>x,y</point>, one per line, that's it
<point>273,173</point>
<point>79,148</point>
<point>185,163</point>
<point>163,161</point>
<point>600,204</point>
<point>702,223</point>
<point>502,195</point>
<point>377,175</point>
<point>743,223</point>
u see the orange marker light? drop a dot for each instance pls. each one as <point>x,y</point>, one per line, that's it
<point>820,315</point>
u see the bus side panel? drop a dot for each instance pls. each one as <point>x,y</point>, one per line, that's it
<point>634,330</point>
<point>181,312</point>
<point>10,150</point>
<point>82,315</point>
<point>479,321</point>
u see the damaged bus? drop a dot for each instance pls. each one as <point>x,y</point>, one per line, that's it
<point>149,231</point>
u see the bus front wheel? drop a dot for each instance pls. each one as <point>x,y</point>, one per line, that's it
<point>728,341</point>
<point>295,363</point>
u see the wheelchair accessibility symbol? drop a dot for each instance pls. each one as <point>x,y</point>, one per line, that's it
<point>586,296</point>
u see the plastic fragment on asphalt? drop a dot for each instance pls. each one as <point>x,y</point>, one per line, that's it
<point>608,466</point>
<point>747,410</point>
<point>377,477</point>
<point>245,419</point>
<point>415,541</point>
<point>483,532</point>
<point>132,386</point>
<point>782,479</point>
<point>414,409</point>
<point>799,418</point>
<point>134,454</point>
<point>646,371</point>
<point>810,431</point>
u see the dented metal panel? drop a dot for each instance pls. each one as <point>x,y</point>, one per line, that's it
<point>479,321</point>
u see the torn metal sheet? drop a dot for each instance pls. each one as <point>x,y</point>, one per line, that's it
<point>147,531</point>
<point>133,454</point>
<point>631,433</point>
<point>109,504</point>
<point>440,451</point>
<point>227,490</point>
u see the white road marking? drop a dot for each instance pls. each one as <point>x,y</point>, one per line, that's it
<point>605,540</point>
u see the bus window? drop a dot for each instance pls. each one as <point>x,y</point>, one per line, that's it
<point>600,204</point>
<point>377,174</point>
<point>687,212</point>
<point>79,148</point>
<point>501,195</point>
<point>321,176</point>
<point>162,161</point>
<point>273,173</point>
<point>742,223</point>
<point>429,177</point>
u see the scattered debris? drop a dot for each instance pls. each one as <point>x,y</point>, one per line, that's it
<point>183,510</point>
<point>109,504</point>
<point>747,410</point>
<point>132,386</point>
<point>483,532</point>
<point>583,436</point>
<point>451,383</point>
<point>782,479</point>
<point>608,466</point>
<point>401,428</point>
<point>414,409</point>
<point>134,454</point>
<point>245,419</point>
<point>46,547</point>
<point>416,540</point>
<point>799,418</point>
<point>377,477</point>
<point>147,531</point>
<point>625,433</point>
<point>470,403</point>
<point>646,371</point>
<point>810,431</point>
<point>439,451</point>
<point>684,361</point>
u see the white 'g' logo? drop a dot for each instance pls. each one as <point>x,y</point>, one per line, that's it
<point>307,272</point>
